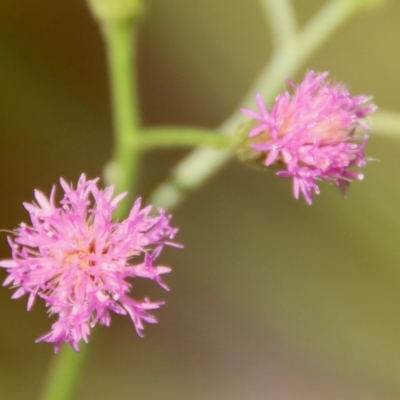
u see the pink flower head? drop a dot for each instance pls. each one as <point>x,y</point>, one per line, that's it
<point>78,260</point>
<point>312,133</point>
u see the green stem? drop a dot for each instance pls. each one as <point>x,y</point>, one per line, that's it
<point>198,167</point>
<point>386,124</point>
<point>63,374</point>
<point>281,20</point>
<point>120,41</point>
<point>189,174</point>
<point>181,137</point>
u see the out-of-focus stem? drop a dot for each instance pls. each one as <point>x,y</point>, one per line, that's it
<point>386,124</point>
<point>189,174</point>
<point>63,374</point>
<point>281,20</point>
<point>181,137</point>
<point>121,44</point>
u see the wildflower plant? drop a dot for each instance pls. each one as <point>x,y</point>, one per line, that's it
<point>82,254</point>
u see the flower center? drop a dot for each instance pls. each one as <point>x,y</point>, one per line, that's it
<point>81,257</point>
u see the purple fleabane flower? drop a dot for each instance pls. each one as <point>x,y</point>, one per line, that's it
<point>312,133</point>
<point>78,260</point>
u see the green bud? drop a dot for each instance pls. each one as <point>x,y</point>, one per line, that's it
<point>241,145</point>
<point>115,10</point>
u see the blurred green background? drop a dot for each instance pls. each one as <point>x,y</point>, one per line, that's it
<point>270,299</point>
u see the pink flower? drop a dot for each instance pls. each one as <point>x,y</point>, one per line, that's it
<point>78,260</point>
<point>312,133</point>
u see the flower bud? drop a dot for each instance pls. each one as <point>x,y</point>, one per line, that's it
<point>242,145</point>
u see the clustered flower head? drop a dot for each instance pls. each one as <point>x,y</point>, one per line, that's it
<point>312,133</point>
<point>76,258</point>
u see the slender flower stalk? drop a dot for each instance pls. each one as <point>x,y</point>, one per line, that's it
<point>164,137</point>
<point>64,371</point>
<point>78,260</point>
<point>312,134</point>
<point>281,19</point>
<point>120,38</point>
<point>386,124</point>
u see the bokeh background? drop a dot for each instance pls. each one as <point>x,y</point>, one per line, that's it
<point>271,299</point>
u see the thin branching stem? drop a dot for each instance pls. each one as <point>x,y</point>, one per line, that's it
<point>281,19</point>
<point>120,41</point>
<point>163,137</point>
